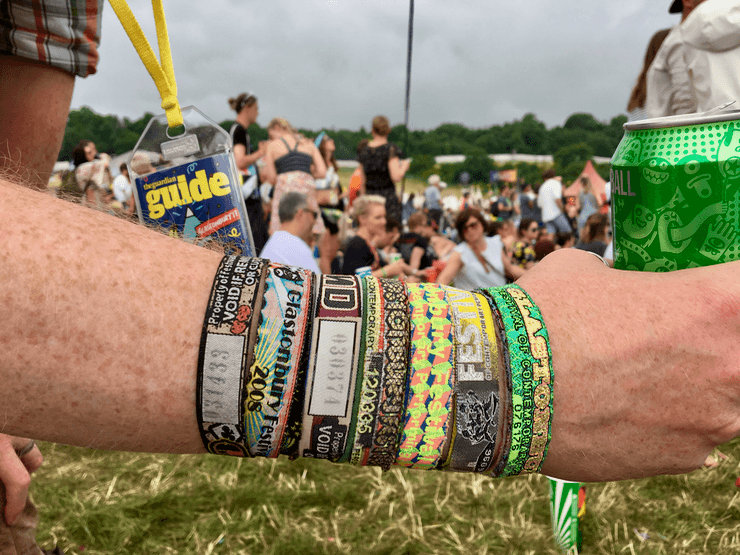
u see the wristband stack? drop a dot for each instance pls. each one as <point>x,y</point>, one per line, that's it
<point>373,372</point>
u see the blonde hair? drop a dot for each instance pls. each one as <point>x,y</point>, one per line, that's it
<point>361,206</point>
<point>282,123</point>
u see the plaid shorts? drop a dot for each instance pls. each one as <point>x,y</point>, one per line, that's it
<point>62,33</point>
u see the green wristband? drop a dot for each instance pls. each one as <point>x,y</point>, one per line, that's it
<point>530,360</point>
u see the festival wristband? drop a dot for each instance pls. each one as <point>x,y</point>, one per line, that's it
<point>531,375</point>
<point>395,373</point>
<point>429,396</point>
<point>332,371</point>
<point>476,399</point>
<point>292,436</point>
<point>371,364</point>
<point>501,453</point>
<point>228,339</point>
<point>542,370</point>
<point>277,356</point>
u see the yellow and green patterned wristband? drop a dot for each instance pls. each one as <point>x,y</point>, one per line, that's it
<point>431,374</point>
<point>530,359</point>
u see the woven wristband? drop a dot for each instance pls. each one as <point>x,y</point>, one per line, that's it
<point>332,369</point>
<point>292,435</point>
<point>277,357</point>
<point>501,453</point>
<point>367,401</point>
<point>429,395</point>
<point>530,358</point>
<point>226,345</point>
<point>386,434</point>
<point>476,400</point>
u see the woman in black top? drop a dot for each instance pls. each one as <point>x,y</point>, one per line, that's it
<point>247,109</point>
<point>382,167</point>
<point>361,256</point>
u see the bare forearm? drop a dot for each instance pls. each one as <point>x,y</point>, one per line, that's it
<point>101,323</point>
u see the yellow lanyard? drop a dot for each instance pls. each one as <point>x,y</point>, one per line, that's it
<point>164,74</point>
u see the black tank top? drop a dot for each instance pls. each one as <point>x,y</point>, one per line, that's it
<point>293,161</point>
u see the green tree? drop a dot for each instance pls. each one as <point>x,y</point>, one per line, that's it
<point>422,166</point>
<point>583,121</point>
<point>569,160</point>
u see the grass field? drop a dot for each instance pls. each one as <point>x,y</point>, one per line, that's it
<point>96,502</point>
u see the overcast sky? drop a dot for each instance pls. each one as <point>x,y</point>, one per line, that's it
<point>338,63</point>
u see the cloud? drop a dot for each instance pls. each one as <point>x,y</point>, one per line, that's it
<point>338,63</point>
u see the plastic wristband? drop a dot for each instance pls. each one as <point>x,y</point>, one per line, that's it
<point>429,396</point>
<point>277,357</point>
<point>227,343</point>
<point>527,344</point>
<point>330,383</point>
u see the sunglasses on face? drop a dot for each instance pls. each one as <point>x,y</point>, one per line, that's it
<point>471,225</point>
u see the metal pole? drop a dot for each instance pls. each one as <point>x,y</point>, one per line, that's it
<point>408,89</point>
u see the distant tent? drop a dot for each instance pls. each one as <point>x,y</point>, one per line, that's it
<point>598,185</point>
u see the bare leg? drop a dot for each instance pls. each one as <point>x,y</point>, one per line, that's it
<point>34,104</point>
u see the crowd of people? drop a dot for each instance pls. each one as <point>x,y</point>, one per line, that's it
<point>497,238</point>
<point>368,228</point>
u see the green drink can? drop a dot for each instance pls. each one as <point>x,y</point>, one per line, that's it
<point>676,192</point>
<point>567,507</point>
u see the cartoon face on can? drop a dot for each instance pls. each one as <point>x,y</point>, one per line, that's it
<point>676,193</point>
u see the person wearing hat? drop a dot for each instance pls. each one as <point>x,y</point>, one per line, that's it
<point>433,198</point>
<point>668,86</point>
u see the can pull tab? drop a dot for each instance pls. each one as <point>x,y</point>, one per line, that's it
<point>720,107</point>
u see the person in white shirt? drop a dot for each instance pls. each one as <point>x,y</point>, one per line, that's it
<point>668,84</point>
<point>122,189</point>
<point>711,39</point>
<point>290,244</point>
<point>550,201</point>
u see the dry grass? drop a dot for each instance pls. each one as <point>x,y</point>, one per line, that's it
<point>105,503</point>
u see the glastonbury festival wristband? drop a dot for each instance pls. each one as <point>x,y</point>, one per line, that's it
<point>331,379</point>
<point>292,435</point>
<point>227,341</point>
<point>371,372</point>
<point>476,399</point>
<point>395,373</point>
<point>277,357</point>
<point>429,396</point>
<point>530,358</point>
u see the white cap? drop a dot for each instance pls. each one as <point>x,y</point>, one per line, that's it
<point>442,184</point>
<point>433,179</point>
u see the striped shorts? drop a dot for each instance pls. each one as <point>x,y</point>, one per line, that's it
<point>61,33</point>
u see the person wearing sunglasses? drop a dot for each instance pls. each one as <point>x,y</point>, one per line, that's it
<point>291,244</point>
<point>478,261</point>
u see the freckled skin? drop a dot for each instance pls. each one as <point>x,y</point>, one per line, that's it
<point>92,364</point>
<point>96,352</point>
